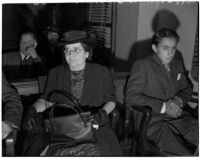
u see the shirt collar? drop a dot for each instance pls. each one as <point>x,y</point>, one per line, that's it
<point>24,56</point>
<point>167,66</point>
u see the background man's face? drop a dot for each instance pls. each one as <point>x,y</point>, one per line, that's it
<point>166,49</point>
<point>26,41</point>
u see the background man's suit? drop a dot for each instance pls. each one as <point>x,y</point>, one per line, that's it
<point>14,68</point>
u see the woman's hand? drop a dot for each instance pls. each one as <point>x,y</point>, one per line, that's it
<point>92,118</point>
<point>99,118</point>
<point>41,105</point>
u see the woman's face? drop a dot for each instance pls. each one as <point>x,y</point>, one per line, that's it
<point>75,56</point>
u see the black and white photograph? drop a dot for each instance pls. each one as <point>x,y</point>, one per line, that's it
<point>100,79</point>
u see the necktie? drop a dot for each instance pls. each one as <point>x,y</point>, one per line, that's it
<point>167,69</point>
<point>25,61</point>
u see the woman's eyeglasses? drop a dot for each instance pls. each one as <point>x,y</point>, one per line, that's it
<point>75,51</point>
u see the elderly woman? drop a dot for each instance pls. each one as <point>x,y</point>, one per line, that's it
<point>90,83</point>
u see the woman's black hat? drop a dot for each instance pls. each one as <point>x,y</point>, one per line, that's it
<point>75,36</point>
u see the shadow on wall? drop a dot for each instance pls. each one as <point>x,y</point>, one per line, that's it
<point>142,49</point>
<point>15,17</point>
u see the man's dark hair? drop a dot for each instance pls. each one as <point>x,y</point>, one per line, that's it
<point>164,32</point>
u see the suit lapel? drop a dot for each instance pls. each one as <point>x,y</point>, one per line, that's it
<point>161,68</point>
<point>174,68</point>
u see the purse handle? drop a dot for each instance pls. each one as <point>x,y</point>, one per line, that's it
<point>70,97</point>
<point>65,106</point>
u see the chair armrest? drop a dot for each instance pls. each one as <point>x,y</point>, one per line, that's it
<point>128,124</point>
<point>10,143</point>
<point>194,99</point>
<point>147,114</point>
<point>144,109</point>
<point>114,116</point>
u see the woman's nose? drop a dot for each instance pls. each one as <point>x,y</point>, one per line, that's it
<point>71,54</point>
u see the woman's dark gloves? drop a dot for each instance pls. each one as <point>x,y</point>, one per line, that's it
<point>99,118</point>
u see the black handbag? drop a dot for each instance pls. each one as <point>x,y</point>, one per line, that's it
<point>71,125</point>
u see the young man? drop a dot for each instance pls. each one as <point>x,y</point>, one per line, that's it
<point>159,81</point>
<point>26,63</point>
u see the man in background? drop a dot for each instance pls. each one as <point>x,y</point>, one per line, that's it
<point>26,63</point>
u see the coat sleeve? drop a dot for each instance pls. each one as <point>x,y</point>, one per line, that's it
<point>50,84</point>
<point>109,94</point>
<point>56,82</point>
<point>12,106</point>
<point>185,87</point>
<point>136,87</point>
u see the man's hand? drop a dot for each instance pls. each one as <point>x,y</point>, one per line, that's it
<point>6,129</point>
<point>32,52</point>
<point>172,109</point>
<point>177,101</point>
<point>41,105</point>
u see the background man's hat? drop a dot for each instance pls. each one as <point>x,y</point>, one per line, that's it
<point>53,28</point>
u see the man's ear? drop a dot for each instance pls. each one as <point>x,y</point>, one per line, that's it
<point>87,54</point>
<point>35,45</point>
<point>154,47</point>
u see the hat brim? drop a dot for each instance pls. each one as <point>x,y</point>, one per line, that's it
<point>91,43</point>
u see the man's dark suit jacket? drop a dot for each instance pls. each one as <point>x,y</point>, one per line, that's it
<point>150,85</point>
<point>15,69</point>
<point>12,106</point>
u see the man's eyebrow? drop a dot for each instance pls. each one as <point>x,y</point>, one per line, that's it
<point>169,46</point>
<point>164,46</point>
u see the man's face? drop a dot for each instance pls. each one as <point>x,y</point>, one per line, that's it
<point>165,49</point>
<point>52,36</point>
<point>27,41</point>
